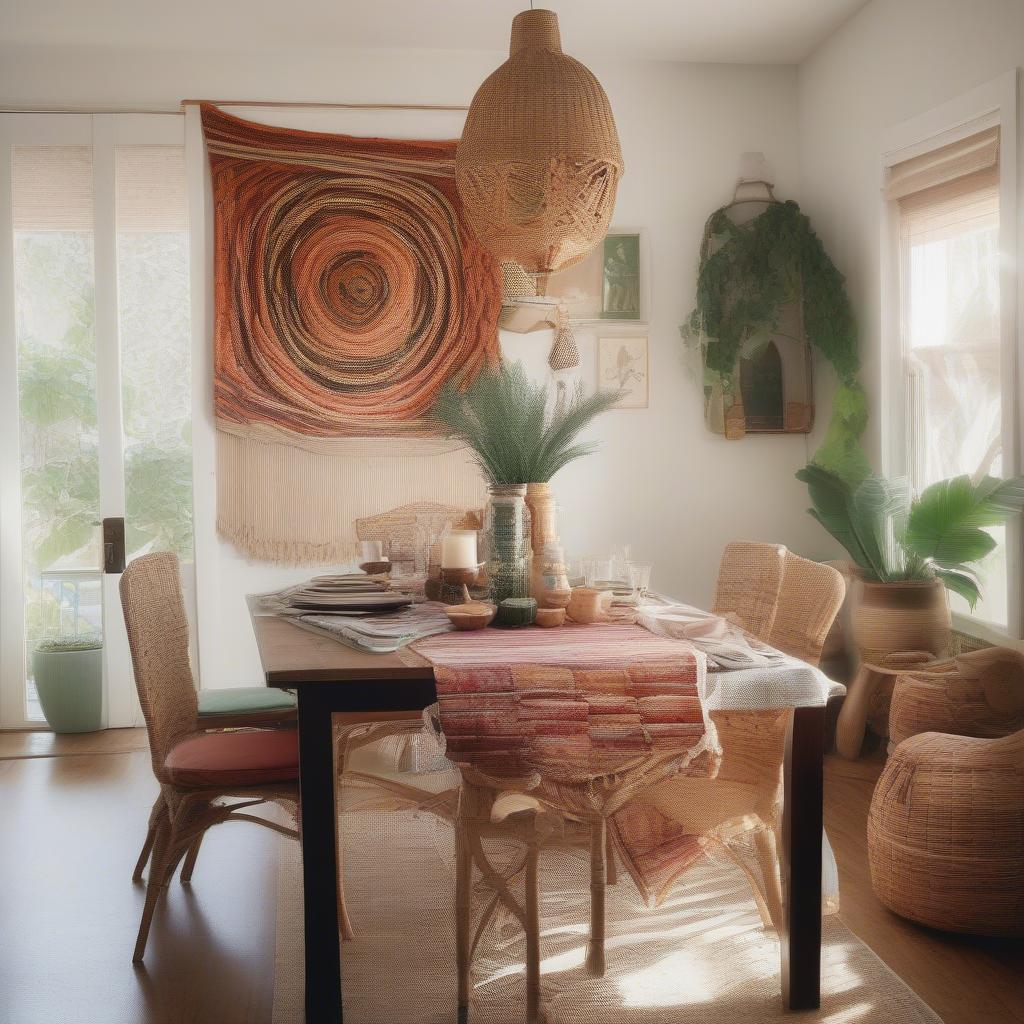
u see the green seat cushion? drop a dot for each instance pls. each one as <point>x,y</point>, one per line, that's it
<point>237,700</point>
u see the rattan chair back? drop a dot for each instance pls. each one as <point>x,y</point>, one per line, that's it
<point>154,616</point>
<point>810,598</point>
<point>749,582</point>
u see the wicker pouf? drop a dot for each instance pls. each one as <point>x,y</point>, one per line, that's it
<point>946,833</point>
<point>976,694</point>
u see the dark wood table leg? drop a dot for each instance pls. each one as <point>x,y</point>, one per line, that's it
<point>801,860</point>
<point>319,857</point>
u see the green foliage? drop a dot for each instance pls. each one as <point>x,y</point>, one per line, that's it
<point>892,537</point>
<point>504,417</point>
<point>748,274</point>
<point>64,644</point>
<point>57,395</point>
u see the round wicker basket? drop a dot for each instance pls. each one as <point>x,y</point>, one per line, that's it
<point>539,160</point>
<point>980,693</point>
<point>946,833</point>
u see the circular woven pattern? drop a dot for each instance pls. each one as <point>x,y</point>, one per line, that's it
<point>349,285</point>
<point>539,160</point>
<point>357,283</point>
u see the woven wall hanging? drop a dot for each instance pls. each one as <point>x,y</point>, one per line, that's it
<point>348,288</point>
<point>539,160</point>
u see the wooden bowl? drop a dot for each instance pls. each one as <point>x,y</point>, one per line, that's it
<point>549,617</point>
<point>375,568</point>
<point>554,598</point>
<point>475,615</point>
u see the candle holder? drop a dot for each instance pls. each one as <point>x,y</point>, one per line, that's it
<point>455,584</point>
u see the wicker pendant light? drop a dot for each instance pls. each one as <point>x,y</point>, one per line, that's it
<point>539,160</point>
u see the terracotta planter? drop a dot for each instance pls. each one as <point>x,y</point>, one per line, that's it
<point>892,617</point>
<point>888,618</point>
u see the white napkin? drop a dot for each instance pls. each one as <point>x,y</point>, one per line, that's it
<point>720,637</point>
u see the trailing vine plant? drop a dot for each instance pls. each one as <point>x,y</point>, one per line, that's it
<point>749,272</point>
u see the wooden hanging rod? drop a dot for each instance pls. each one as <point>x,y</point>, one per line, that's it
<point>333,106</point>
<point>228,103</point>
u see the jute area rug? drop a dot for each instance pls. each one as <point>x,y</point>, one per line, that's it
<point>700,957</point>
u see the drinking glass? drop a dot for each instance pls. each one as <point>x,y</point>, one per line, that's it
<point>639,579</point>
<point>620,563</point>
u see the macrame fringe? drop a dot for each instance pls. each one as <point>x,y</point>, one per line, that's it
<point>279,502</point>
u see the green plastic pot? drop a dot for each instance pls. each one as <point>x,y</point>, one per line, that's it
<point>70,686</point>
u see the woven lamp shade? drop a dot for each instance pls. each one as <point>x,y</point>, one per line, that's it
<point>539,160</point>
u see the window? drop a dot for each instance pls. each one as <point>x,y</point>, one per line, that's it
<point>95,381</point>
<point>958,401</point>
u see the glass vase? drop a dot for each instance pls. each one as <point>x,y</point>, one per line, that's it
<point>507,543</point>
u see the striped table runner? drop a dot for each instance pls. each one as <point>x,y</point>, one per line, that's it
<point>593,710</point>
<point>570,646</point>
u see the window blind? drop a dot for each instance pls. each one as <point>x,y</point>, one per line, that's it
<point>976,154</point>
<point>52,188</point>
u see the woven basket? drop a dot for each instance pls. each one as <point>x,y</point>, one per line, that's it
<point>539,160</point>
<point>980,693</point>
<point>946,833</point>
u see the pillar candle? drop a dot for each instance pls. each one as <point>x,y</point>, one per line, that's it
<point>458,550</point>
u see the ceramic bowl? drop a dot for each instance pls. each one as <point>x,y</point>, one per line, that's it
<point>375,568</point>
<point>549,617</point>
<point>475,615</point>
<point>585,605</point>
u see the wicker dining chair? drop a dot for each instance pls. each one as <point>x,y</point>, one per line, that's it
<point>244,707</point>
<point>196,770</point>
<point>745,797</point>
<point>750,578</point>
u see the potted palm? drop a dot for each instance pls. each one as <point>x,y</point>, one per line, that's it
<point>908,551</point>
<point>521,439</point>
<point>68,673</point>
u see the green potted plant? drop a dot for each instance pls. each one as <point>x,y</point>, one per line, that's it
<point>68,673</point>
<point>521,439</point>
<point>909,550</point>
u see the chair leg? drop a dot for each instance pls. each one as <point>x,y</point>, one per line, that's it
<point>147,846</point>
<point>768,860</point>
<point>531,906</point>
<point>463,895</point>
<point>157,881</point>
<point>190,859</point>
<point>598,879</point>
<point>611,867</point>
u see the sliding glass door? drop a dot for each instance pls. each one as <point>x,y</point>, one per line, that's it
<point>96,463</point>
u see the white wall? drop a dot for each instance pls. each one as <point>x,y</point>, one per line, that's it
<point>893,61</point>
<point>661,481</point>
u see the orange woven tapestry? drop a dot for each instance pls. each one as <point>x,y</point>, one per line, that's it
<point>348,289</point>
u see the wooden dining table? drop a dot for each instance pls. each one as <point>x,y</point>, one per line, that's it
<point>332,679</point>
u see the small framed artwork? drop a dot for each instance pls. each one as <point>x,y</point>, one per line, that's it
<point>610,285</point>
<point>623,365</point>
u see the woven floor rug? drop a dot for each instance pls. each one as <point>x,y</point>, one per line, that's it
<point>701,957</point>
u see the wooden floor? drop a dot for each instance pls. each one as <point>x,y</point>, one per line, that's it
<point>73,817</point>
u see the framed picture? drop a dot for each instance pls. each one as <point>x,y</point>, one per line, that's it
<point>622,364</point>
<point>610,285</point>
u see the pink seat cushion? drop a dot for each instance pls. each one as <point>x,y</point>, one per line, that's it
<point>235,759</point>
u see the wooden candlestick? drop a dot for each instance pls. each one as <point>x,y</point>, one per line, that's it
<point>458,581</point>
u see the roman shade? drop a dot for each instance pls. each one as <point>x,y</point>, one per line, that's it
<point>975,154</point>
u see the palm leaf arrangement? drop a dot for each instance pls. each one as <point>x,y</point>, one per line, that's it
<point>507,420</point>
<point>892,537</point>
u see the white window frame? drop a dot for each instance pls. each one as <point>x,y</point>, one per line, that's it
<point>990,105</point>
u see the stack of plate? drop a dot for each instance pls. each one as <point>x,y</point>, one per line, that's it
<point>355,594</point>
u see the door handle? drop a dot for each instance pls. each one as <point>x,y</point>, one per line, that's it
<point>113,546</point>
